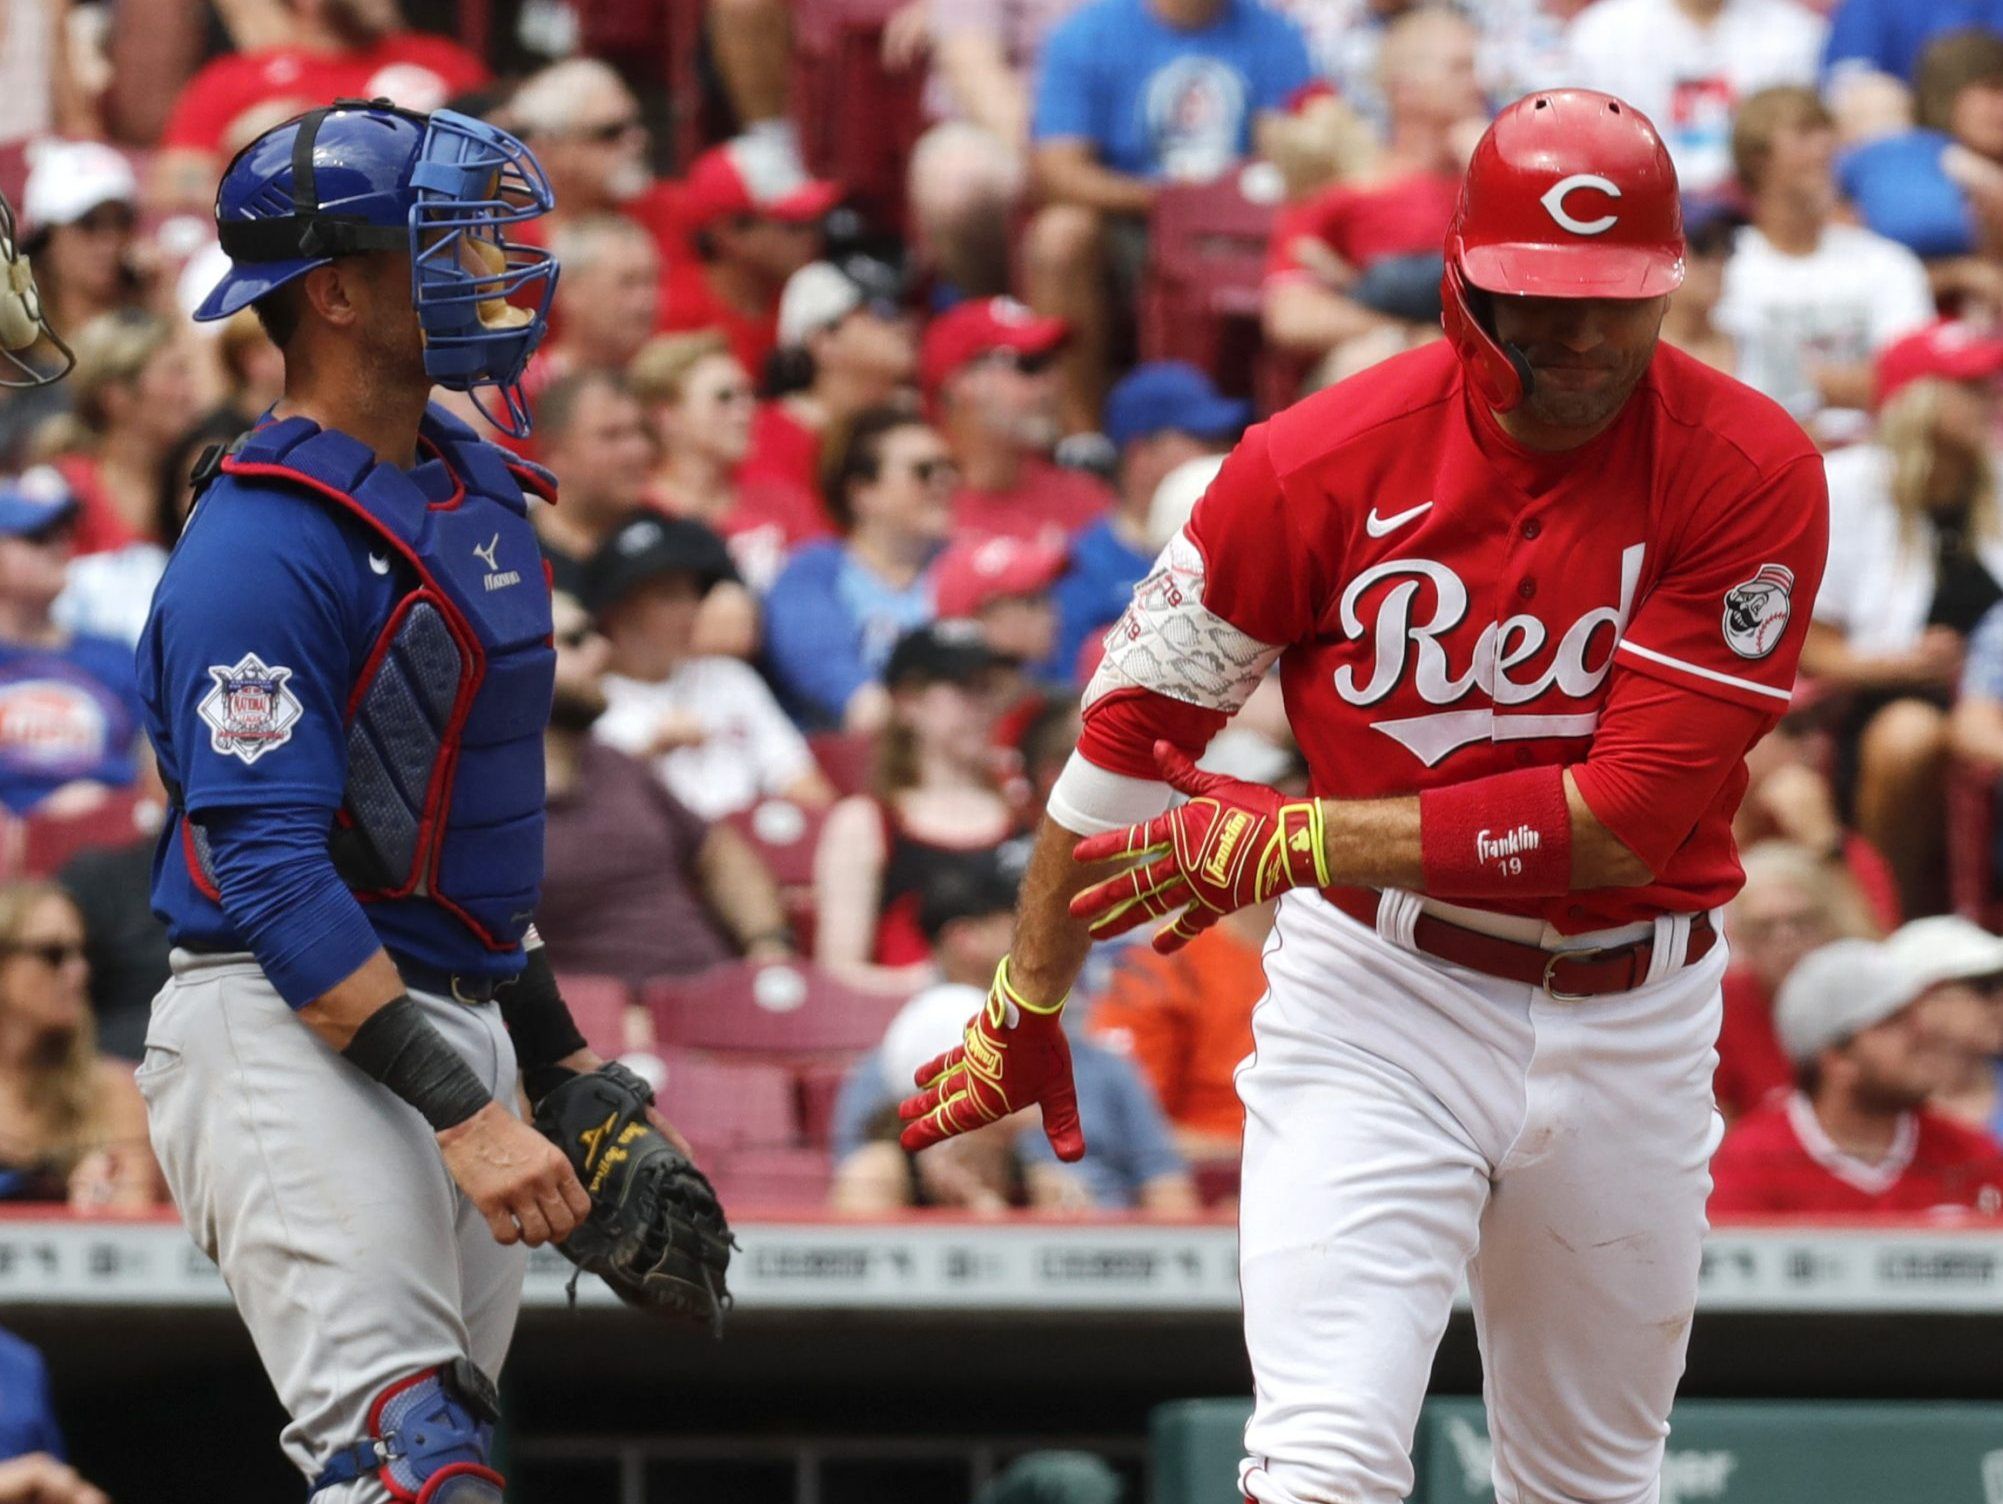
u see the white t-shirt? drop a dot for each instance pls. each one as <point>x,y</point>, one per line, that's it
<point>1845,301</point>
<point>1878,585</point>
<point>1689,78</point>
<point>751,751</point>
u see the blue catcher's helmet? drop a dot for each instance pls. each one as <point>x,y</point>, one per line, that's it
<point>364,175</point>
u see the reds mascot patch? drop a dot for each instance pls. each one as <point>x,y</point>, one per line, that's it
<point>1756,612</point>
<point>249,711</point>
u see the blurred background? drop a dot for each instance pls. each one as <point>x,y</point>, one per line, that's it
<point>893,340</point>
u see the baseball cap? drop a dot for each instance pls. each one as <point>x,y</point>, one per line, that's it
<point>969,330</point>
<point>1170,395</point>
<point>1836,991</point>
<point>68,179</point>
<point>1945,948</point>
<point>647,546</point>
<point>930,1024</point>
<point>756,174</point>
<point>817,296</point>
<point>942,653</point>
<point>1951,348</point>
<point>35,499</point>
<point>1177,495</point>
<point>975,571</point>
<point>971,887</point>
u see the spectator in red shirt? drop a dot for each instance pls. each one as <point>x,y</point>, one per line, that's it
<point>987,367</point>
<point>700,406</point>
<point>1794,901</point>
<point>354,49</point>
<point>846,345</point>
<point>608,299</point>
<point>1354,271</point>
<point>1857,1134</point>
<point>754,217</point>
<point>584,126</point>
<point>133,395</point>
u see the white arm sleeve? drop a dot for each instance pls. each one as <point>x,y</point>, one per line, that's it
<point>1087,800</point>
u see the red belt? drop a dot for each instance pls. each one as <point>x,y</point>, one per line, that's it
<point>1567,975</point>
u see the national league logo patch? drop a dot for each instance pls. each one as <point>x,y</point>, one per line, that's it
<point>249,711</point>
<point>1756,612</point>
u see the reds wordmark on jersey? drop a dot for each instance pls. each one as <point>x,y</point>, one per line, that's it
<point>1447,605</point>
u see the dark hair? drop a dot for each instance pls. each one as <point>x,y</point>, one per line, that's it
<point>970,887</point>
<point>279,312</point>
<point>221,425</point>
<point>856,455</point>
<point>556,408</point>
<point>1950,63</point>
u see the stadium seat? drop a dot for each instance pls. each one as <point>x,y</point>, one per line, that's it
<point>858,120</point>
<point>726,1104</point>
<point>782,1009</point>
<point>847,759</point>
<point>119,819</point>
<point>1971,844</point>
<point>780,1179</point>
<point>784,834</point>
<point>598,1007</point>
<point>820,1084</point>
<point>1200,292</point>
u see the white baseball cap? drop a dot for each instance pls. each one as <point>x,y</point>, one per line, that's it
<point>1177,495</point>
<point>930,1024</point>
<point>1836,991</point>
<point>1945,948</point>
<point>818,296</point>
<point>68,179</point>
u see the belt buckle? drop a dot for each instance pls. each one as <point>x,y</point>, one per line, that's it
<point>1583,953</point>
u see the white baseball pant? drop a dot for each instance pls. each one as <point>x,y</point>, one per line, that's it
<point>1410,1123</point>
<point>351,1254</point>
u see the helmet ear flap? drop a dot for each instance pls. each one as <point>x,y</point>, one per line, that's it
<point>1499,372</point>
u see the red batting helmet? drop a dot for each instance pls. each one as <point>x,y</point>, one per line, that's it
<point>1569,194</point>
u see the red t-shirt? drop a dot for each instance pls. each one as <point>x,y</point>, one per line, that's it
<point>1364,224</point>
<point>689,302</point>
<point>1752,1067</point>
<point>1778,1159</point>
<point>783,450</point>
<point>100,526</point>
<point>1446,606</point>
<point>1047,504</point>
<point>417,70</point>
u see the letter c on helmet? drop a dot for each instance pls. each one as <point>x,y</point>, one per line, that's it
<point>1554,201</point>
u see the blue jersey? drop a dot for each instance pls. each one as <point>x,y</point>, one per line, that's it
<point>27,1417</point>
<point>66,713</point>
<point>273,609</point>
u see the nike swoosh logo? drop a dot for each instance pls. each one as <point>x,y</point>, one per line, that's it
<point>1377,526</point>
<point>379,563</point>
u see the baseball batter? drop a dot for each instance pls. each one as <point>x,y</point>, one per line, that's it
<point>1533,592</point>
<point>347,671</point>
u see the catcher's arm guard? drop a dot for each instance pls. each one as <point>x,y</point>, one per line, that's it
<point>656,1233</point>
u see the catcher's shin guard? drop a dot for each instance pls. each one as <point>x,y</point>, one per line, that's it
<point>429,1436</point>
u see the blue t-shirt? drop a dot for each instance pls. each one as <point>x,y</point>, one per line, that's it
<point>66,713</point>
<point>1092,593</point>
<point>1902,192</point>
<point>830,624</point>
<point>1156,101</point>
<point>27,1416</point>
<point>260,629</point>
<point>1890,35</point>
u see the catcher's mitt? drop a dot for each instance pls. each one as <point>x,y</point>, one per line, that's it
<point>656,1233</point>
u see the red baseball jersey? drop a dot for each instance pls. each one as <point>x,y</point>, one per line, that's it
<point>1778,1159</point>
<point>1446,605</point>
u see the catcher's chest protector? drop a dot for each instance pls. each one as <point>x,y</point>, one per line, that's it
<point>444,796</point>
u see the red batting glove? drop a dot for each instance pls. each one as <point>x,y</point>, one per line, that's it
<point>1234,844</point>
<point>1013,1054</point>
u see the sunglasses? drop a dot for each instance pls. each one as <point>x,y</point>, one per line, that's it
<point>610,131</point>
<point>1019,361</point>
<point>53,953</point>
<point>934,471</point>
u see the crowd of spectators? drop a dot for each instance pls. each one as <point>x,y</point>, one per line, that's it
<point>854,478</point>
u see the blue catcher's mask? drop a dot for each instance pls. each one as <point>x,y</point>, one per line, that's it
<point>364,175</point>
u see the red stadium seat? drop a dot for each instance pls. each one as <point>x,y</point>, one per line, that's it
<point>1971,844</point>
<point>846,757</point>
<point>1200,293</point>
<point>781,1009</point>
<point>598,1007</point>
<point>858,120</point>
<point>49,841</point>
<point>820,1086</point>
<point>781,1179</point>
<point>784,835</point>
<point>725,1104</point>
